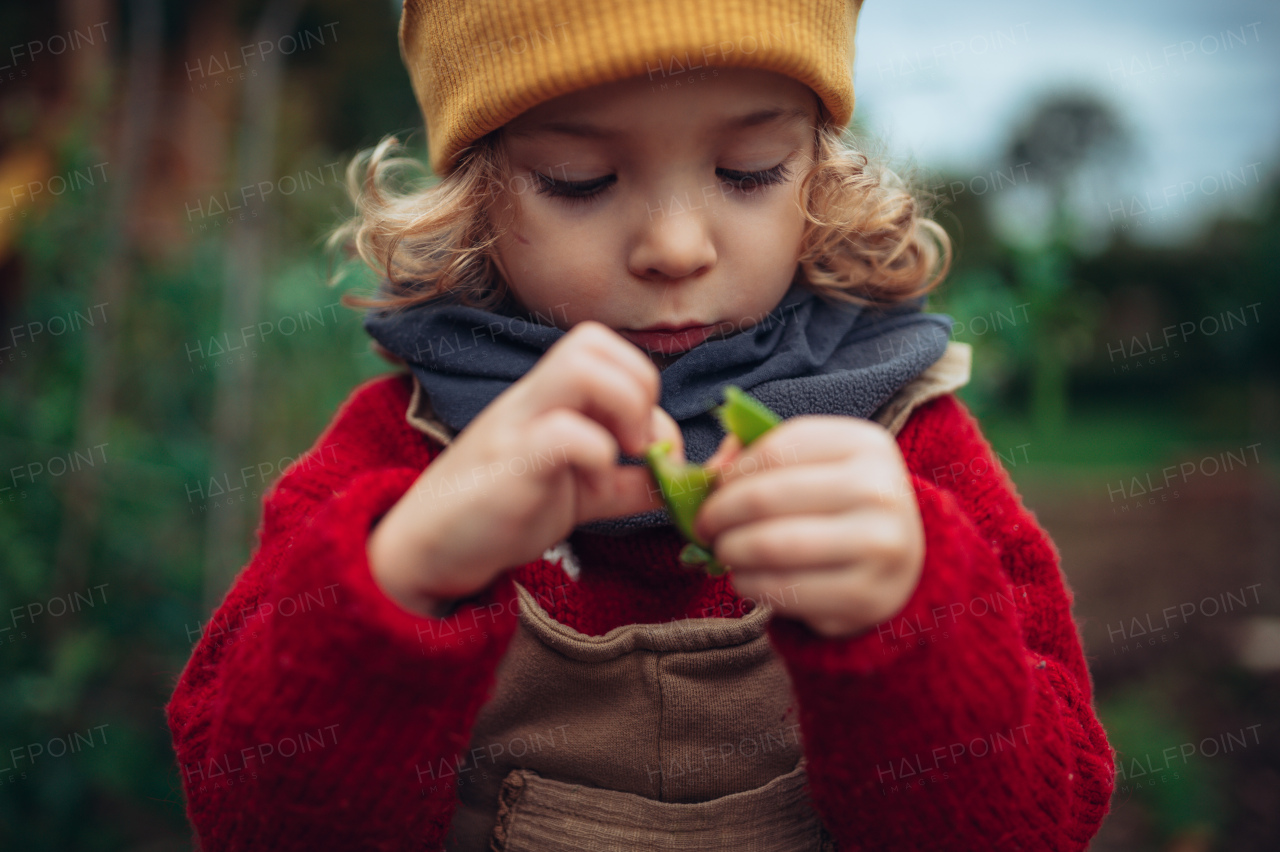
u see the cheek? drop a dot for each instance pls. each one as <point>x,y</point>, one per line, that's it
<point>543,233</point>
<point>547,263</point>
<point>767,232</point>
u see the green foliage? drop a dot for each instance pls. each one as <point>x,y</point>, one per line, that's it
<point>105,667</point>
<point>1181,787</point>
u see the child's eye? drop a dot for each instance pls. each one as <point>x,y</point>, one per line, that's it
<point>573,190</point>
<point>585,190</point>
<point>751,181</point>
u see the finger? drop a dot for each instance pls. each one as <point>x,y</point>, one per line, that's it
<point>594,342</point>
<point>622,352</point>
<point>631,490</point>
<point>809,542</point>
<point>729,446</point>
<point>603,489</point>
<point>806,489</point>
<point>665,428</point>
<point>830,602</point>
<point>810,438</point>
<point>778,447</point>
<point>604,393</point>
<point>570,438</point>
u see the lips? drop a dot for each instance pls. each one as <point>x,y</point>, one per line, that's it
<point>669,341</point>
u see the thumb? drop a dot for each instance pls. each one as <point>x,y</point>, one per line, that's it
<point>728,448</point>
<point>665,428</point>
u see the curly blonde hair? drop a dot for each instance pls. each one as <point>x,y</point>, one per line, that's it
<point>868,238</point>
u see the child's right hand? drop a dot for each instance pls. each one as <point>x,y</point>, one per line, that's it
<point>536,462</point>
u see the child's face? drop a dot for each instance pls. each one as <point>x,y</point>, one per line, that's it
<point>666,229</point>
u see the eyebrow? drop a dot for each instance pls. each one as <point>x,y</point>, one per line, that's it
<point>585,130</point>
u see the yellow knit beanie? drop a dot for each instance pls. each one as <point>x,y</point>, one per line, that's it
<point>477,64</point>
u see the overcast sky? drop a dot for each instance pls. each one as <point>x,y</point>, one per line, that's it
<point>1198,83</point>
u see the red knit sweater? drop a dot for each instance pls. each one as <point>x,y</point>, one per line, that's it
<point>964,723</point>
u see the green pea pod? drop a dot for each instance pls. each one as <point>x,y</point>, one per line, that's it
<point>685,486</point>
<point>694,555</point>
<point>744,415</point>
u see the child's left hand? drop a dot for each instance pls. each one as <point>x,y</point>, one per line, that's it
<point>818,518</point>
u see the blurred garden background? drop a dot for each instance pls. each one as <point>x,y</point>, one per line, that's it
<point>168,344</point>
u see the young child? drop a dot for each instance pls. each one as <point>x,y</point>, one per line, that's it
<point>466,624</point>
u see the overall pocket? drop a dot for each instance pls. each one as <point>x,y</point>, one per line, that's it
<point>537,814</point>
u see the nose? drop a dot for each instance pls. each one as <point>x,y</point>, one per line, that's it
<point>675,241</point>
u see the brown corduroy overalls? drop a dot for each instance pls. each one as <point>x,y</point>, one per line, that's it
<point>674,735</point>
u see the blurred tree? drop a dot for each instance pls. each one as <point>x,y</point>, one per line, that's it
<point>111,287</point>
<point>1069,140</point>
<point>1065,136</point>
<point>245,259</point>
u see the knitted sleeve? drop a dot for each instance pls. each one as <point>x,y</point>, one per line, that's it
<point>315,712</point>
<point>966,721</point>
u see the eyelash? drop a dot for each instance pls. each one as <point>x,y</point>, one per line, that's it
<point>574,192</point>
